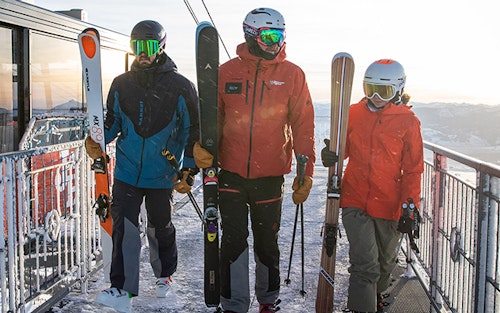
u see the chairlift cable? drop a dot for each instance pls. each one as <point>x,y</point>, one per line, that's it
<point>218,33</point>
<point>191,11</point>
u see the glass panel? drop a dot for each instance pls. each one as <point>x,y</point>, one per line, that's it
<point>55,75</point>
<point>8,86</point>
<point>113,64</point>
<point>56,84</point>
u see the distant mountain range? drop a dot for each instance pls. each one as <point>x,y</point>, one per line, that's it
<point>460,124</point>
<point>470,129</point>
<point>467,128</point>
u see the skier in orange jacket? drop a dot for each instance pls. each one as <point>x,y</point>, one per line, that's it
<point>265,115</point>
<point>385,162</point>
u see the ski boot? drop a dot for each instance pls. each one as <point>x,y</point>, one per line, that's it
<point>270,307</point>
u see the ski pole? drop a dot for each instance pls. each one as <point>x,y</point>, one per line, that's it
<point>287,280</point>
<point>173,161</point>
<point>302,161</point>
<point>301,165</point>
<point>302,291</point>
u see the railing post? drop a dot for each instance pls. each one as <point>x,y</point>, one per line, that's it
<point>3,247</point>
<point>11,234</point>
<point>482,204</point>
<point>439,182</point>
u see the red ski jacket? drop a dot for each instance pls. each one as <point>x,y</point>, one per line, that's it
<point>261,104</point>
<point>385,152</point>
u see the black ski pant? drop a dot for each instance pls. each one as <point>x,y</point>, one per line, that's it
<point>125,210</point>
<point>262,198</point>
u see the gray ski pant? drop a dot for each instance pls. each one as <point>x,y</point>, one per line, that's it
<point>373,250</point>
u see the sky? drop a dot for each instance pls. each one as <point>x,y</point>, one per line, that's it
<point>449,48</point>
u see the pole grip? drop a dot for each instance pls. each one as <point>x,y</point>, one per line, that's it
<point>301,167</point>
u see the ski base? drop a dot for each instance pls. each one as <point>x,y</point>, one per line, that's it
<point>90,54</point>
<point>342,77</point>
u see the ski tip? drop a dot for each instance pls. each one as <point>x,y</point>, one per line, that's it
<point>202,25</point>
<point>91,31</point>
<point>88,44</point>
<point>210,31</point>
<point>342,55</point>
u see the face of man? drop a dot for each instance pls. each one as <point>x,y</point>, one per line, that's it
<point>144,60</point>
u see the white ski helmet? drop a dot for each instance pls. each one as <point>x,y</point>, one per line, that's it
<point>384,72</point>
<point>262,17</point>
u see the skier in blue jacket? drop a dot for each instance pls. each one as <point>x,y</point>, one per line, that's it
<point>150,109</point>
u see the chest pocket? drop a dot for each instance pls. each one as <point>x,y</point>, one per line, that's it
<point>233,88</point>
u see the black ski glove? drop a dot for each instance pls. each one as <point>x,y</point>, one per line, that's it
<point>405,225</point>
<point>409,223</point>
<point>329,158</point>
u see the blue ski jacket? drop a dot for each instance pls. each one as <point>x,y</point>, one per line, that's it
<point>150,110</point>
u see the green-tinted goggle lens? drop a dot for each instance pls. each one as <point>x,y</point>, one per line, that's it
<point>149,47</point>
<point>384,92</point>
<point>271,36</point>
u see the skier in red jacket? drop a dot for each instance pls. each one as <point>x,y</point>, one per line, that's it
<point>385,162</point>
<point>263,100</point>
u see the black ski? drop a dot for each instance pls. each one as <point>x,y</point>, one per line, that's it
<point>207,71</point>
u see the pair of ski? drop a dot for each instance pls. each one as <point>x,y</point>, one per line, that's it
<point>207,60</point>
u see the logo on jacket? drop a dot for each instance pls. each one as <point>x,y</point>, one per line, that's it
<point>233,88</point>
<point>275,82</point>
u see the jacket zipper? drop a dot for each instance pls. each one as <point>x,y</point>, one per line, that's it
<point>246,92</point>
<point>262,92</point>
<point>140,163</point>
<point>377,120</point>
<point>252,116</point>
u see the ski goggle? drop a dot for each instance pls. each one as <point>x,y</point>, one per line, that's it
<point>384,92</point>
<point>271,36</point>
<point>149,47</point>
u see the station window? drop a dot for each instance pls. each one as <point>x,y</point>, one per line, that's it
<point>56,78</point>
<point>8,93</point>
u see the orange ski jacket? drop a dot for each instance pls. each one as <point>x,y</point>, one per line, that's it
<point>385,160</point>
<point>261,103</point>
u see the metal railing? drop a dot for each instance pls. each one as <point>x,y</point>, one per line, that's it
<point>50,237</point>
<point>459,236</point>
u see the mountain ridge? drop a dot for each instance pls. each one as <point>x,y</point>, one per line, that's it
<point>471,129</point>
